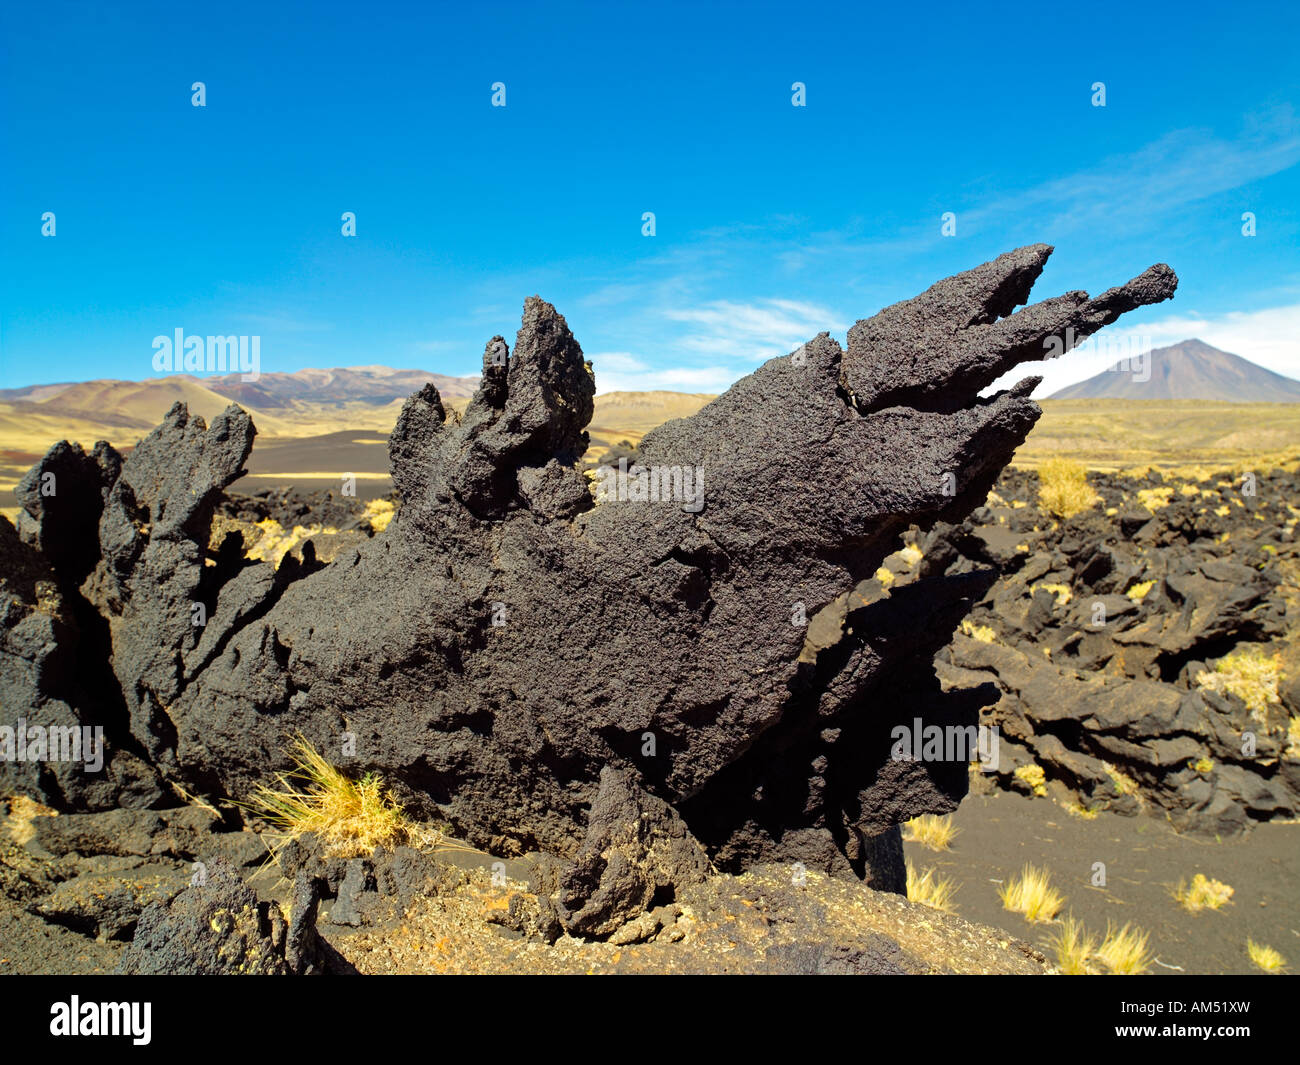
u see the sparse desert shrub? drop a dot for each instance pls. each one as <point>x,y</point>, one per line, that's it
<point>1061,592</point>
<point>1031,895</point>
<point>1063,489</point>
<point>349,817</point>
<point>1073,947</point>
<point>932,831</point>
<point>1124,951</point>
<point>1034,776</point>
<point>1155,498</point>
<point>1249,673</point>
<point>1124,783</point>
<point>1265,957</point>
<point>380,512</point>
<point>931,890</point>
<point>1202,894</point>
<point>978,632</point>
<point>274,541</point>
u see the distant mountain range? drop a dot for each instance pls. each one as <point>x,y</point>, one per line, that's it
<point>308,422</point>
<point>314,424</point>
<point>373,385</point>
<point>1191,369</point>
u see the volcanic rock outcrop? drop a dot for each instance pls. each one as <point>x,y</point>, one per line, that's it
<point>1143,649</point>
<point>514,634</point>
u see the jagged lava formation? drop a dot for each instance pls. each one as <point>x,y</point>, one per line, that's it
<point>622,621</point>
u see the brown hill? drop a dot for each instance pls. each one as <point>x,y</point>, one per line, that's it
<point>1191,369</point>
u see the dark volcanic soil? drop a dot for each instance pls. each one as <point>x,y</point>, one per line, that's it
<point>1144,859</point>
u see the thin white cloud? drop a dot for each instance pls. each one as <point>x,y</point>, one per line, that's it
<point>1139,189</point>
<point>618,362</point>
<point>710,379</point>
<point>1270,337</point>
<point>752,331</point>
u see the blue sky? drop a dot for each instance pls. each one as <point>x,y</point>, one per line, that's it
<point>772,222</point>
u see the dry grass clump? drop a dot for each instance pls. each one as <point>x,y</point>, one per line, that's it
<point>274,542</point>
<point>19,812</point>
<point>1060,592</point>
<point>1265,957</point>
<point>1249,673</point>
<point>931,890</point>
<point>1063,489</point>
<point>1032,896</point>
<point>911,554</point>
<point>1202,894</point>
<point>1124,951</point>
<point>931,831</point>
<point>1155,498</point>
<point>1034,776</point>
<point>379,512</point>
<point>350,818</point>
<point>977,632</point>
<point>1124,783</point>
<point>1073,947</point>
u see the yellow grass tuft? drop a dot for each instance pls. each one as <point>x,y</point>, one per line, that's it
<point>1203,894</point>
<point>1063,488</point>
<point>978,632</point>
<point>931,831</point>
<point>1124,951</point>
<point>1073,947</point>
<point>1250,674</point>
<point>350,818</point>
<point>1265,957</point>
<point>1155,498</point>
<point>274,542</point>
<point>1032,896</point>
<point>1034,776</point>
<point>380,512</point>
<point>1061,592</point>
<point>931,890</point>
<point>1088,813</point>
<point>18,813</point>
<point>1124,783</point>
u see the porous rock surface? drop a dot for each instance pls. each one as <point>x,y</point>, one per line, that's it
<point>509,642</point>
